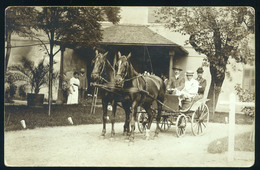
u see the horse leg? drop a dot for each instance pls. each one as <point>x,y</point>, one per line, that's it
<point>104,107</point>
<point>113,117</point>
<point>126,107</point>
<point>132,120</point>
<point>148,109</point>
<point>158,118</point>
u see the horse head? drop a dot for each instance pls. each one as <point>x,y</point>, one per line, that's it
<point>122,69</point>
<point>99,62</point>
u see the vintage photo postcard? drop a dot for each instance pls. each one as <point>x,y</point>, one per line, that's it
<point>129,86</point>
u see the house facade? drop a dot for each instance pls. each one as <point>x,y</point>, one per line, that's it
<point>73,60</point>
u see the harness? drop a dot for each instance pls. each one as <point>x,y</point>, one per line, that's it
<point>103,68</point>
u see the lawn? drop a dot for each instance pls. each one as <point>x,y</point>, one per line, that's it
<point>242,143</point>
<point>38,117</point>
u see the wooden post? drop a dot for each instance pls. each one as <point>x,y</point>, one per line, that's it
<point>171,54</point>
<point>231,136</point>
<point>60,92</point>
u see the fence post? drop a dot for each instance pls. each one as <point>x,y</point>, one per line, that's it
<point>231,136</point>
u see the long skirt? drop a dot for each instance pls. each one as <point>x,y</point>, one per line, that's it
<point>73,96</point>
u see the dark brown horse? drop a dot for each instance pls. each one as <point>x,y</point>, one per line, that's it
<point>143,91</point>
<point>103,73</point>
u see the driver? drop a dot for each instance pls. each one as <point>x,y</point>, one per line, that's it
<point>176,82</point>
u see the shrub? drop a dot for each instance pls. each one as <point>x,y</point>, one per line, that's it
<point>10,87</point>
<point>246,96</point>
<point>22,92</point>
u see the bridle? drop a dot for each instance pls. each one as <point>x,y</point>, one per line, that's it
<point>123,75</point>
<point>99,73</point>
<point>126,73</point>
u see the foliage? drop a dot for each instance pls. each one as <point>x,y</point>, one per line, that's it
<point>27,72</point>
<point>73,27</point>
<point>10,91</point>
<point>22,91</point>
<point>246,96</point>
<point>18,20</point>
<point>10,87</point>
<point>217,32</point>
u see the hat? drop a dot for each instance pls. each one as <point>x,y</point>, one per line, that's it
<point>200,70</point>
<point>177,68</point>
<point>82,70</point>
<point>189,73</point>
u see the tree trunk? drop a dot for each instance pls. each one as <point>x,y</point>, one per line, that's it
<point>8,48</point>
<point>51,71</point>
<point>217,79</point>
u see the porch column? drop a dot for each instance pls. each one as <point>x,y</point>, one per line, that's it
<point>171,54</point>
<point>60,92</point>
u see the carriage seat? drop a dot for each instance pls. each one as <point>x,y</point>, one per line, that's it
<point>188,102</point>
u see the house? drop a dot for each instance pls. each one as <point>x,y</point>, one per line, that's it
<point>152,54</point>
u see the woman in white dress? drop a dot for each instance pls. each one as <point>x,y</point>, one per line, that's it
<point>73,91</point>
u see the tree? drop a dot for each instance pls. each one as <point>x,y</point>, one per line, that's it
<point>217,32</point>
<point>34,75</point>
<point>17,21</point>
<point>70,26</point>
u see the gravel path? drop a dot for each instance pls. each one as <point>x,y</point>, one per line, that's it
<point>83,146</point>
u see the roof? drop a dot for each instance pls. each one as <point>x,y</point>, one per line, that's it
<point>134,35</point>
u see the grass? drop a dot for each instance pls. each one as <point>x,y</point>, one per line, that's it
<point>242,143</point>
<point>38,117</point>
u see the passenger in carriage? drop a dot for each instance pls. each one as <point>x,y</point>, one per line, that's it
<point>202,82</point>
<point>190,89</point>
<point>176,82</point>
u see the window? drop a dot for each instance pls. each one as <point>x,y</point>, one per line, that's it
<point>249,79</point>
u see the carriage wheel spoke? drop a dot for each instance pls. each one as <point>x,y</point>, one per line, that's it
<point>203,124</point>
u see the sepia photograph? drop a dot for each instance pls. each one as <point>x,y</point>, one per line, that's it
<point>129,86</point>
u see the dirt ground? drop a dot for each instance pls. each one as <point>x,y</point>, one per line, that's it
<point>83,146</point>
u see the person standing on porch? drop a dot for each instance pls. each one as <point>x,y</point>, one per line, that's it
<point>73,90</point>
<point>83,86</point>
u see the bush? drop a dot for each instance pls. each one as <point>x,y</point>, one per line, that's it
<point>246,96</point>
<point>22,92</point>
<point>10,91</point>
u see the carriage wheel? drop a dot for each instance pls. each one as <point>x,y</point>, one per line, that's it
<point>142,121</point>
<point>181,123</point>
<point>164,124</point>
<point>200,119</point>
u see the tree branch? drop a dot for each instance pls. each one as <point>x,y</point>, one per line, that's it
<point>56,52</point>
<point>42,44</point>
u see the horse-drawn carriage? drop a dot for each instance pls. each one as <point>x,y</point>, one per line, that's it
<point>193,110</point>
<point>147,91</point>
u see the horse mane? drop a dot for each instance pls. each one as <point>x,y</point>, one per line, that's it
<point>133,72</point>
<point>108,72</point>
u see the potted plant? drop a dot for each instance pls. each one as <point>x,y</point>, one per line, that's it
<point>33,75</point>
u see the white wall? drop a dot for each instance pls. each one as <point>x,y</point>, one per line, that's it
<point>134,15</point>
